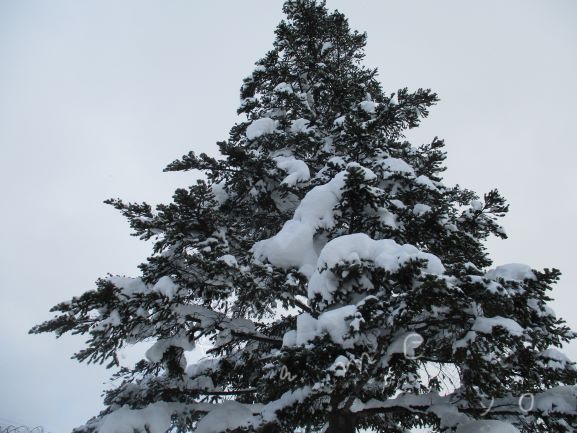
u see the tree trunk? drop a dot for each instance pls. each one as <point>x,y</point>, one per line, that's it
<point>342,422</point>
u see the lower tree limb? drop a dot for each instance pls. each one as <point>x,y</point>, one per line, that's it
<point>342,422</point>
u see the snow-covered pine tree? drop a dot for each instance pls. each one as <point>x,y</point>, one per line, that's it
<point>340,283</point>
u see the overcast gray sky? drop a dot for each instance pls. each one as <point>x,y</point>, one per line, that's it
<point>96,97</point>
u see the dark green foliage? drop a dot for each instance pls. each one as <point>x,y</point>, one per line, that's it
<point>331,135</point>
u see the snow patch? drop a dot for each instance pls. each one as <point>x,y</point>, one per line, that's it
<point>511,272</point>
<point>336,323</point>
<point>487,426</point>
<point>477,205</point>
<point>293,245</point>
<point>425,181</point>
<point>156,351</point>
<point>385,253</point>
<point>421,209</point>
<point>397,165</point>
<point>283,88</point>
<point>154,418</point>
<point>300,125</point>
<point>260,127</point>
<point>368,107</point>
<point>165,286</point>
<point>485,325</point>
<point>127,285</point>
<point>229,260</point>
<point>553,358</point>
<point>229,415</point>
<point>297,170</point>
<point>339,121</point>
<point>340,366</point>
<point>326,46</point>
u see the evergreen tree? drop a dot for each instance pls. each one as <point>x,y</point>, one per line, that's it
<point>340,283</point>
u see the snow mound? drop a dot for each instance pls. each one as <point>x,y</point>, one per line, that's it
<point>368,106</point>
<point>230,415</point>
<point>425,181</point>
<point>385,253</point>
<point>397,165</point>
<point>336,323</point>
<point>293,245</point>
<point>283,88</point>
<point>157,350</point>
<point>260,127</point>
<point>421,209</point>
<point>128,285</point>
<point>553,358</point>
<point>339,121</point>
<point>299,125</point>
<point>485,325</point>
<point>326,46</point>
<point>487,426</point>
<point>297,170</point>
<point>512,272</point>
<point>154,418</point>
<point>166,287</point>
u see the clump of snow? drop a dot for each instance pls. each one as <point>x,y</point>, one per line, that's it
<point>307,329</point>
<point>485,325</point>
<point>555,359</point>
<point>289,339</point>
<point>421,209</point>
<point>154,418</point>
<point>367,173</point>
<point>394,100</point>
<point>166,287</point>
<point>283,88</point>
<point>339,120</point>
<point>297,170</point>
<point>560,399</point>
<point>448,414</point>
<point>336,323</point>
<point>512,272</point>
<point>289,398</point>
<point>340,366</point>
<point>202,366</point>
<point>368,106</point>
<point>229,415</point>
<point>259,127</point>
<point>326,46</point>
<point>396,165</point>
<point>113,320</point>
<point>229,260</point>
<point>425,181</point>
<point>477,205</point>
<point>337,161</point>
<point>487,426</point>
<point>128,285</point>
<point>540,308</point>
<point>156,351</point>
<point>384,253</point>
<point>293,245</point>
<point>299,125</point>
